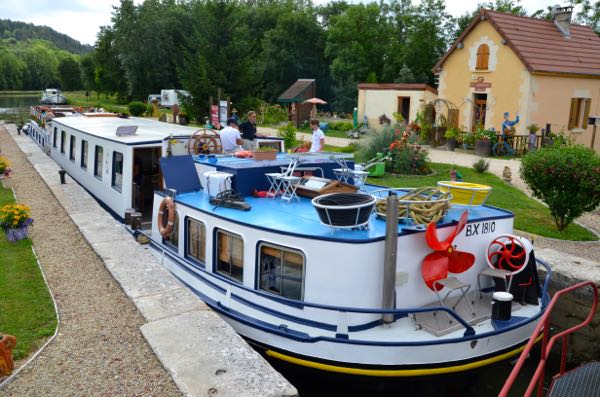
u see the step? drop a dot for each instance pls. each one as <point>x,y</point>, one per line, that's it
<point>583,381</point>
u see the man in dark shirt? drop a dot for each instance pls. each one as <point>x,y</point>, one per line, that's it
<point>248,130</point>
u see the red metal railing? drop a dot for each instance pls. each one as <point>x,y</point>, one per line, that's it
<point>538,376</point>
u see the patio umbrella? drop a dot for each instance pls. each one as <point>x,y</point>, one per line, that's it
<point>314,102</point>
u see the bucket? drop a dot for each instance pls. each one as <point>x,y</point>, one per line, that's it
<point>215,182</point>
<point>377,170</point>
<point>501,306</point>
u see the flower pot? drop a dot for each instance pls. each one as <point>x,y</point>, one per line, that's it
<point>264,155</point>
<point>20,233</point>
<point>483,147</point>
<point>451,144</point>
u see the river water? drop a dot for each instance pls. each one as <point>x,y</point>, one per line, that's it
<point>484,382</point>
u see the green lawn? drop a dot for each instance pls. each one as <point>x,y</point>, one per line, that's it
<point>78,98</point>
<point>530,215</point>
<point>26,309</point>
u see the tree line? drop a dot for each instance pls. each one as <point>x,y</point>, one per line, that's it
<point>254,49</point>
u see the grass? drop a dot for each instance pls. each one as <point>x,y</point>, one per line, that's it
<point>26,309</point>
<point>110,103</point>
<point>530,215</point>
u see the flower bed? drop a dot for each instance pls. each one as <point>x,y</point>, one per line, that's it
<point>15,220</point>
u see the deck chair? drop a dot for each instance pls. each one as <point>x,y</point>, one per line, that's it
<point>344,173</point>
<point>453,284</point>
<point>277,179</point>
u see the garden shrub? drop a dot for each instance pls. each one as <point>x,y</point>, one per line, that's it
<point>566,178</point>
<point>375,142</point>
<point>136,108</point>
<point>341,126</point>
<point>407,158</point>
<point>481,166</point>
<point>288,133</point>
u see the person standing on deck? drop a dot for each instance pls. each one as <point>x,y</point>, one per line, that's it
<point>230,137</point>
<point>318,137</point>
<point>248,130</point>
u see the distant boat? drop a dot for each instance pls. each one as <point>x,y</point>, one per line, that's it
<point>53,96</point>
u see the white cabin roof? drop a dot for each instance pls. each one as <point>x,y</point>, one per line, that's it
<point>106,127</point>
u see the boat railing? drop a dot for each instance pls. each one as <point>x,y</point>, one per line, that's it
<point>342,327</point>
<point>547,343</point>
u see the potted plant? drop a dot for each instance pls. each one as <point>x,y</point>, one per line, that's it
<point>15,220</point>
<point>4,166</point>
<point>483,141</point>
<point>264,153</point>
<point>451,134</point>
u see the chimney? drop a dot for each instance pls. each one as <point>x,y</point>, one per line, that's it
<point>562,19</point>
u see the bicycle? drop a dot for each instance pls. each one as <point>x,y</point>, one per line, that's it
<point>502,148</point>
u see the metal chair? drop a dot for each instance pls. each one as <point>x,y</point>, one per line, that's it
<point>276,178</point>
<point>344,173</point>
<point>453,284</point>
<point>502,274</point>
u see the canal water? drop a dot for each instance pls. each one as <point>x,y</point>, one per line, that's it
<point>15,107</point>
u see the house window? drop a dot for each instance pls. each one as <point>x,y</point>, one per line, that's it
<point>84,154</point>
<point>98,158</point>
<point>63,138</point>
<point>281,271</point>
<point>72,148</point>
<point>580,111</point>
<point>483,55</point>
<point>55,137</point>
<point>173,238</point>
<point>117,171</point>
<point>196,240</point>
<point>230,255</point>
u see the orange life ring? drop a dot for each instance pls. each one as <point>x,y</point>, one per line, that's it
<point>169,205</point>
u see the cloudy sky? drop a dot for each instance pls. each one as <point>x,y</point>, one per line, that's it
<point>81,19</point>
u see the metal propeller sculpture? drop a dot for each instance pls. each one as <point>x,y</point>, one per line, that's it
<point>445,257</point>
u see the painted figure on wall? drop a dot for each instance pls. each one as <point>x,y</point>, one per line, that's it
<point>507,125</point>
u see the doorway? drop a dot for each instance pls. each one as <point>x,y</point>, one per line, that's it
<point>404,107</point>
<point>479,108</point>
<point>146,179</point>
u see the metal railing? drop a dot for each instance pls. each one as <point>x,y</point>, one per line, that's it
<point>547,344</point>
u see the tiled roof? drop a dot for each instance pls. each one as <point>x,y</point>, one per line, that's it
<point>541,46</point>
<point>293,94</point>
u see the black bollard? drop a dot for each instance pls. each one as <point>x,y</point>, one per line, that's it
<point>62,176</point>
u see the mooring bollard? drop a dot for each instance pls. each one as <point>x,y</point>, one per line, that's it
<point>62,176</point>
<point>128,213</point>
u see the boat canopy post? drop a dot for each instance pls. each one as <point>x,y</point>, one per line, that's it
<point>389,262</point>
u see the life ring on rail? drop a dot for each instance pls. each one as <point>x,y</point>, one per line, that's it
<point>168,205</point>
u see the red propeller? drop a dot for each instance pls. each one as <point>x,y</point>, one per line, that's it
<point>444,258</point>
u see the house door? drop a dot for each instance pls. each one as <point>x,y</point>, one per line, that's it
<point>479,106</point>
<point>404,107</point>
<point>146,179</point>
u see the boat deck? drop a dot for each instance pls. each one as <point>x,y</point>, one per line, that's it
<point>300,218</point>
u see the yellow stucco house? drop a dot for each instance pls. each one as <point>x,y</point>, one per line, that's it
<point>546,71</point>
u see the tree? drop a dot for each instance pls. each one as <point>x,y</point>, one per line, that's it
<point>110,75</point>
<point>70,73</point>
<point>589,14</point>
<point>11,70</point>
<point>566,178</point>
<point>88,72</point>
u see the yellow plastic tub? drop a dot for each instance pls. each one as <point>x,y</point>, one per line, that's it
<point>465,193</point>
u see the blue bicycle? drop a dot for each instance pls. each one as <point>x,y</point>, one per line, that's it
<point>502,148</point>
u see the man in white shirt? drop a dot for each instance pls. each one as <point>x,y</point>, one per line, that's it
<point>318,137</point>
<point>230,137</point>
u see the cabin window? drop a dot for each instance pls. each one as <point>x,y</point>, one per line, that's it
<point>173,238</point>
<point>63,138</point>
<point>196,240</point>
<point>580,111</point>
<point>230,255</point>
<point>98,158</point>
<point>117,171</point>
<point>281,271</point>
<point>84,154</point>
<point>72,148</point>
<point>55,137</point>
<point>483,56</point>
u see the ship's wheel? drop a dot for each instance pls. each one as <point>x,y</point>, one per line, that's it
<point>205,141</point>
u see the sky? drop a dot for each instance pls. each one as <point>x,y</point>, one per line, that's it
<point>81,19</point>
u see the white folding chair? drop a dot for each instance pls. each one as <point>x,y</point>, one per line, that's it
<point>276,178</point>
<point>288,182</point>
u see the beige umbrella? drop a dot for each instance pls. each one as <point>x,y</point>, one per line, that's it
<point>314,102</point>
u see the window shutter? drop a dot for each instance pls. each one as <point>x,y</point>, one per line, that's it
<point>586,113</point>
<point>483,53</point>
<point>573,113</point>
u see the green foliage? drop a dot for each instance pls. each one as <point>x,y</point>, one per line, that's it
<point>288,133</point>
<point>21,31</point>
<point>136,108</point>
<point>342,126</point>
<point>566,178</point>
<point>481,166</point>
<point>375,142</point>
<point>70,73</point>
<point>271,114</point>
<point>533,128</point>
<point>409,159</point>
<point>562,139</point>
<point>452,133</point>
<point>484,135</point>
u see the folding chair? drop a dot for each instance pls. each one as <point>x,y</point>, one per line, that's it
<point>288,182</point>
<point>275,178</point>
<point>344,173</point>
<point>453,284</point>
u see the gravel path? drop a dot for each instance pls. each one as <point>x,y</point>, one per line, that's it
<point>99,350</point>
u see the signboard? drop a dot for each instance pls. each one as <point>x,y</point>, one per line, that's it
<point>480,84</point>
<point>214,116</point>
<point>223,112</point>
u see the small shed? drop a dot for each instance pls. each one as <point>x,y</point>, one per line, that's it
<point>406,99</point>
<point>293,98</point>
